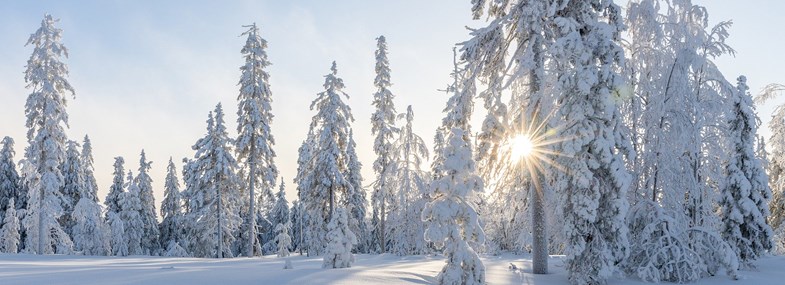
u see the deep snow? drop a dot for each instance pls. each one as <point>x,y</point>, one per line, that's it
<point>369,269</point>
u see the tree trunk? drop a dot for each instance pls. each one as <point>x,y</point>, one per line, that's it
<point>251,212</point>
<point>220,253</point>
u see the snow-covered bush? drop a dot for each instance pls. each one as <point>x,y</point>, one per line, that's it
<point>340,240</point>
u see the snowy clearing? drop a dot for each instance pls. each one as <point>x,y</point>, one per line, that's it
<point>369,269</point>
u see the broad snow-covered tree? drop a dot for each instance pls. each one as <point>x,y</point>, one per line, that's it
<point>117,189</point>
<point>118,240</point>
<point>746,194</point>
<point>213,198</point>
<point>408,230</point>
<point>171,209</point>
<point>340,241</point>
<point>283,240</point>
<point>327,167</point>
<point>383,127</point>
<point>10,231</point>
<point>594,189</point>
<point>130,213</point>
<point>150,243</point>
<point>47,118</point>
<point>10,183</point>
<point>255,142</point>
<point>91,234</point>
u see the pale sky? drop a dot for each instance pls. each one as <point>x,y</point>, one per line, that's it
<point>147,72</point>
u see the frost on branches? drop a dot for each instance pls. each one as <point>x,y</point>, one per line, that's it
<point>47,118</point>
<point>745,197</point>
<point>340,241</point>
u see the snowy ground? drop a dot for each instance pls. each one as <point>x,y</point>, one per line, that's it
<point>369,269</point>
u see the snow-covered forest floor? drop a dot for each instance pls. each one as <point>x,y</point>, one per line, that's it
<point>369,269</point>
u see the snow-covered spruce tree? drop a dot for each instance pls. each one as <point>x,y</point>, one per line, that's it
<point>283,240</point>
<point>171,209</point>
<point>595,185</point>
<point>304,181</point>
<point>328,164</point>
<point>119,242</point>
<point>255,142</point>
<point>73,180</point>
<point>296,219</point>
<point>150,243</point>
<point>340,240</point>
<point>47,118</point>
<point>213,198</point>
<point>280,212</point>
<point>117,189</point>
<point>90,186</point>
<point>383,127</point>
<point>10,184</point>
<point>91,234</point>
<point>130,213</point>
<point>410,152</point>
<point>354,200</point>
<point>450,216</point>
<point>9,236</point>
<point>744,200</point>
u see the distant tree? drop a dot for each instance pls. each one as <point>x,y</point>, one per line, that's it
<point>88,170</point>
<point>117,189</point>
<point>150,242</point>
<point>355,197</point>
<point>280,212</point>
<point>130,209</point>
<point>73,180</point>
<point>10,184</point>
<point>171,209</point>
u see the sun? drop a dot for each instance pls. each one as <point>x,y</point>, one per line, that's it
<point>522,146</point>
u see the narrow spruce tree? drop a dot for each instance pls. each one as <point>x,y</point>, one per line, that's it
<point>150,242</point>
<point>171,209</point>
<point>9,235</point>
<point>112,201</point>
<point>10,183</point>
<point>383,127</point>
<point>255,142</point>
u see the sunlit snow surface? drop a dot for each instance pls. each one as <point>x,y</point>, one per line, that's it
<point>369,269</point>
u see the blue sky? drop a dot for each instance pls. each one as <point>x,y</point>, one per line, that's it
<point>147,72</point>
